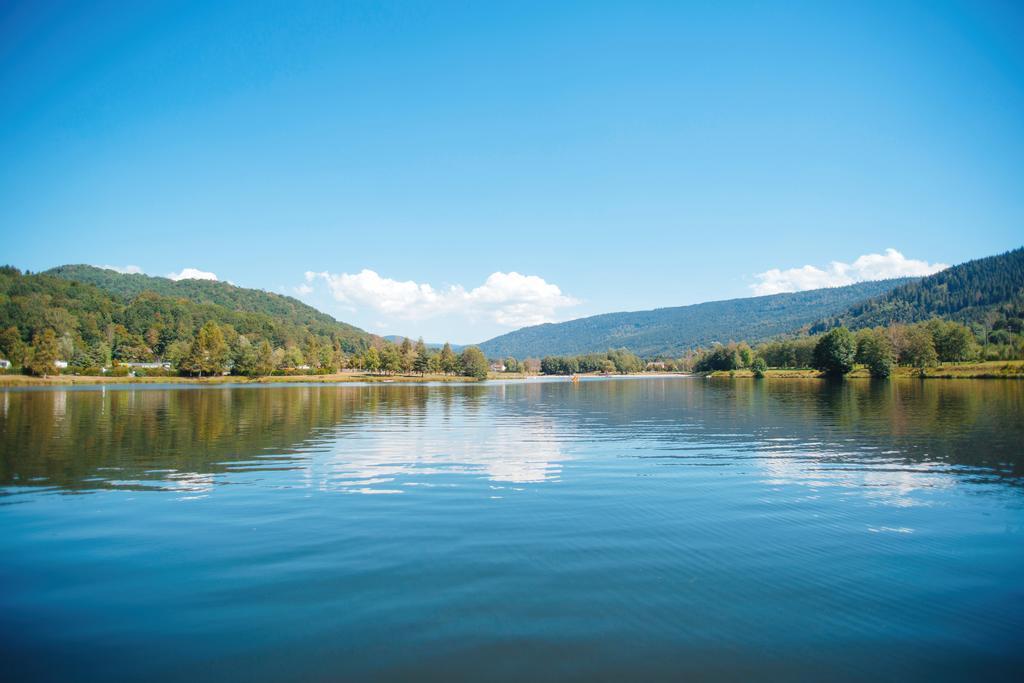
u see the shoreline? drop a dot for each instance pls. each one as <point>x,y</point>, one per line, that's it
<point>1012,369</point>
<point>998,369</point>
<point>8,381</point>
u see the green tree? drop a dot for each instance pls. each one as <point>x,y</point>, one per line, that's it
<point>861,338</point>
<point>449,362</point>
<point>208,353</point>
<point>293,357</point>
<point>177,354</point>
<point>44,354</point>
<point>243,356</point>
<point>435,363</point>
<point>422,362</point>
<point>406,355</point>
<point>311,352</point>
<point>720,357</point>
<point>512,365</point>
<point>12,347</point>
<point>919,350</point>
<point>473,363</point>
<point>391,360</point>
<point>758,366</point>
<point>953,342</point>
<point>215,349</point>
<point>371,359</point>
<point>264,359</point>
<point>875,351</point>
<point>835,351</point>
<point>745,354</point>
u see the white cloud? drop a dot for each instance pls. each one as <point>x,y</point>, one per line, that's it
<point>508,299</point>
<point>867,267</point>
<point>192,274</point>
<point>127,270</point>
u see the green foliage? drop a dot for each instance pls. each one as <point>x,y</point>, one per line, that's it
<point>954,342</point>
<point>208,353</point>
<point>919,348</point>
<point>289,312</point>
<point>835,351</point>
<point>674,331</point>
<point>968,292</point>
<point>613,360</point>
<point>371,360</point>
<point>758,367</point>
<point>789,353</point>
<point>559,365</point>
<point>44,354</point>
<point>473,363</point>
<point>720,357</point>
<point>390,359</point>
<point>449,362</point>
<point>101,317</point>
<point>421,364</point>
<point>12,348</point>
<point>876,352</point>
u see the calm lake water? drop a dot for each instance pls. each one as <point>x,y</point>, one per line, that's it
<point>627,529</point>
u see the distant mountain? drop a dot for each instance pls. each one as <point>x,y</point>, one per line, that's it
<point>969,292</point>
<point>397,339</point>
<point>671,331</point>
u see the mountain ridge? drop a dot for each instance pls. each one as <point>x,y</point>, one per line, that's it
<point>675,329</point>
<point>91,317</point>
<point>217,292</point>
<point>967,292</point>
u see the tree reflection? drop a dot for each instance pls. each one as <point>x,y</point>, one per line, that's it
<point>343,437</point>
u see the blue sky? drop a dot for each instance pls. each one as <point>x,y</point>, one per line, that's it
<point>455,170</point>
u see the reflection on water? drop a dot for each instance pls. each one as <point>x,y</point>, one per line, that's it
<point>636,528</point>
<point>894,436</point>
<point>353,439</point>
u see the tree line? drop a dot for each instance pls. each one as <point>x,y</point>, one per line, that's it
<point>880,349</point>
<point>614,360</point>
<point>45,319</point>
<point>220,350</point>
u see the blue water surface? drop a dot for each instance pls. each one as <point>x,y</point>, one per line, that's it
<point>622,529</point>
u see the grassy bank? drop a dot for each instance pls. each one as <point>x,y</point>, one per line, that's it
<point>995,369</point>
<point>65,380</point>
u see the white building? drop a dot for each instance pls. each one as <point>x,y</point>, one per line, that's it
<point>150,366</point>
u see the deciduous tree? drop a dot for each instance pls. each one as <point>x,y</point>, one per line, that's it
<point>44,354</point>
<point>834,353</point>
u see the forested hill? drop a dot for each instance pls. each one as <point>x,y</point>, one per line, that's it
<point>671,331</point>
<point>285,308</point>
<point>976,291</point>
<point>100,315</point>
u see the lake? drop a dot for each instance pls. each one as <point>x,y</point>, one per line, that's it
<point>621,529</point>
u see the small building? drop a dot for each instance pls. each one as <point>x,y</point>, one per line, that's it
<point>655,365</point>
<point>5,364</point>
<point>61,364</point>
<point>158,365</point>
<point>498,367</point>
